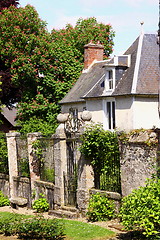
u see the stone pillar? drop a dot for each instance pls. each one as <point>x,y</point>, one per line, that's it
<point>60,161</point>
<point>85,180</point>
<point>85,183</point>
<point>33,161</point>
<point>12,160</point>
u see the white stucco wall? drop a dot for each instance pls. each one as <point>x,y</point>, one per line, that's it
<point>80,106</point>
<point>124,113</point>
<point>146,113</point>
<point>131,112</point>
<point>136,113</point>
<point>96,109</point>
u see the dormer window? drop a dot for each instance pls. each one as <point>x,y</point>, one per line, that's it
<point>110,80</point>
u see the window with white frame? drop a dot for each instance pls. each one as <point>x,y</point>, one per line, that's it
<point>109,113</point>
<point>109,81</point>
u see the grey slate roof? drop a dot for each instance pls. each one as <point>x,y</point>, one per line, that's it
<point>149,66</point>
<point>148,74</point>
<point>85,83</point>
<point>90,84</point>
<point>10,115</point>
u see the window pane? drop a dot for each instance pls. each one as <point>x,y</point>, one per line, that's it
<point>110,83</point>
<point>109,114</point>
<point>113,115</point>
<point>110,74</point>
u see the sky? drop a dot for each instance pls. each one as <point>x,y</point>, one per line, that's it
<point>125,16</point>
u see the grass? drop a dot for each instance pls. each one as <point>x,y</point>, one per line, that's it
<point>74,230</point>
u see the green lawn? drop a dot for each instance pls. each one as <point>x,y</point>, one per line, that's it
<point>74,230</point>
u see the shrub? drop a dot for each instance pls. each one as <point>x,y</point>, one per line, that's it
<point>141,209</point>
<point>8,223</point>
<point>100,208</point>
<point>41,204</point>
<point>4,201</point>
<point>40,228</point>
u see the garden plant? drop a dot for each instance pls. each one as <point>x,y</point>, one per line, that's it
<point>141,209</point>
<point>100,208</point>
<point>41,204</point>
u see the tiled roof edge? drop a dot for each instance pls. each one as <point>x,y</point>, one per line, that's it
<point>136,70</point>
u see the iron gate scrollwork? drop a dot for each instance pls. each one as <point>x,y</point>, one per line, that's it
<point>73,123</point>
<point>70,179</point>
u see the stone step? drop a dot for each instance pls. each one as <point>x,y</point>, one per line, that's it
<point>69,208</point>
<point>63,214</point>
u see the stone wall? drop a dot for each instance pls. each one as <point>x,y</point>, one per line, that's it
<point>22,188</point>
<point>138,156</point>
<point>47,189</point>
<point>138,159</point>
<point>4,184</point>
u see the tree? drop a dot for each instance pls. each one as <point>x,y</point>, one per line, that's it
<point>40,67</point>
<point>8,3</point>
<point>84,31</point>
<point>9,91</point>
<point>23,43</point>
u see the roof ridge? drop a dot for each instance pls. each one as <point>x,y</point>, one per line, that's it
<point>136,69</point>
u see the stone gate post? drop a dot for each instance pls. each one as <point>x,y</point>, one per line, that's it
<point>12,160</point>
<point>85,183</point>
<point>60,161</point>
<point>33,161</point>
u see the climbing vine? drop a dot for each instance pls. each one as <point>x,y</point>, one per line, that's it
<point>101,147</point>
<point>39,147</point>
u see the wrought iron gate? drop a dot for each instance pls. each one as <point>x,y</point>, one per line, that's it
<point>70,179</point>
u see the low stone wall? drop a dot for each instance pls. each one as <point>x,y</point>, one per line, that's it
<point>116,197</point>
<point>4,184</point>
<point>47,189</point>
<point>22,188</point>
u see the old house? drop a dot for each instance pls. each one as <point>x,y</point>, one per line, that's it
<point>121,92</point>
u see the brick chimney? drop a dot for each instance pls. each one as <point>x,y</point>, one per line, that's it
<point>92,52</point>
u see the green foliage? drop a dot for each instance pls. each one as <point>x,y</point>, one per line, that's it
<point>100,208</point>
<point>41,204</point>
<point>38,149</point>
<point>101,147</point>
<point>58,227</point>
<point>9,223</point>
<point>8,3</point>
<point>4,201</point>
<point>40,228</point>
<point>28,227</point>
<point>50,63</point>
<point>141,209</point>
<point>47,175</point>
<point>84,31</point>
<point>3,154</point>
<point>23,167</point>
<point>23,42</point>
<point>38,115</point>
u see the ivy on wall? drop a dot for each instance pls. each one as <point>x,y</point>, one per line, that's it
<point>102,148</point>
